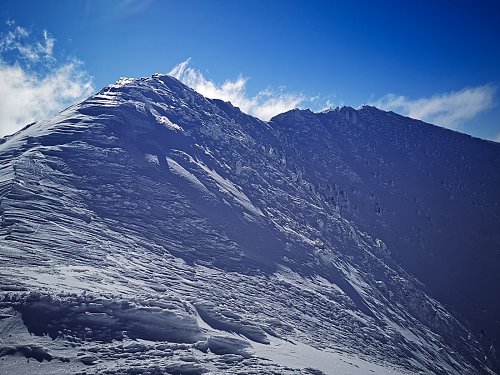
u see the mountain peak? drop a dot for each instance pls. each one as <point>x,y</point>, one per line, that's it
<point>212,240</point>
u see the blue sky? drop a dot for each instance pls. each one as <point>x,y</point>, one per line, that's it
<point>438,61</point>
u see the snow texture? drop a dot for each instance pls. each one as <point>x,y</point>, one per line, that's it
<point>149,230</point>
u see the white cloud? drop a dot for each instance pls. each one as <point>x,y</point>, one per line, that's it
<point>327,106</point>
<point>264,105</point>
<point>19,40</point>
<point>449,110</point>
<point>33,85</point>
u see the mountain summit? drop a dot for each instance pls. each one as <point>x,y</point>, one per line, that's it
<point>150,230</point>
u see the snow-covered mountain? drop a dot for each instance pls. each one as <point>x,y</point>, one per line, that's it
<point>149,230</point>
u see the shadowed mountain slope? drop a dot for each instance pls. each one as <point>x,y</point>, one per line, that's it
<point>151,230</point>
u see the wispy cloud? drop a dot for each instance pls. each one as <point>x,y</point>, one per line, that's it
<point>19,40</point>
<point>33,84</point>
<point>449,109</point>
<point>264,105</point>
<point>327,106</point>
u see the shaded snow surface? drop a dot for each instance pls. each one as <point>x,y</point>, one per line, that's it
<point>149,230</point>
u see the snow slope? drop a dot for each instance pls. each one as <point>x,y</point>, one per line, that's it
<point>151,230</point>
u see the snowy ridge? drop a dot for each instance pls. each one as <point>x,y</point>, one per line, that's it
<point>151,230</point>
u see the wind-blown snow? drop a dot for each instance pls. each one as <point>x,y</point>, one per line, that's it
<point>151,230</point>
